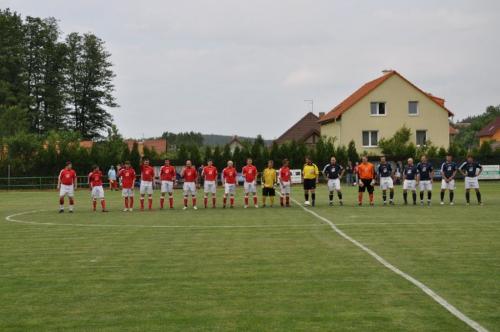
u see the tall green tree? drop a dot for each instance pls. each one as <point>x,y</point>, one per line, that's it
<point>44,58</point>
<point>352,154</point>
<point>90,84</point>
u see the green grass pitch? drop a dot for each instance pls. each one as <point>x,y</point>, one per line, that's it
<point>283,270</point>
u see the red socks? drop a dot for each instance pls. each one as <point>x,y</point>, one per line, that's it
<point>255,200</point>
<point>103,204</point>
<point>360,198</point>
<point>231,200</point>
<point>287,200</point>
<point>246,200</point>
<point>185,201</point>
<point>171,202</point>
<point>162,202</point>
<point>205,201</point>
<point>150,203</point>
<point>213,201</point>
<point>61,200</point>
<point>126,202</point>
<point>142,203</point>
<point>194,201</point>
<point>94,204</point>
<point>371,198</point>
<point>131,205</point>
<point>225,200</point>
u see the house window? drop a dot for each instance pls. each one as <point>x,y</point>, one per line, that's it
<point>370,138</point>
<point>421,137</point>
<point>413,107</point>
<point>377,108</point>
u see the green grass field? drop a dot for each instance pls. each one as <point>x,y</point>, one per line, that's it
<point>248,270</point>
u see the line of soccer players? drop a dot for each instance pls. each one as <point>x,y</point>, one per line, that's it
<point>420,175</point>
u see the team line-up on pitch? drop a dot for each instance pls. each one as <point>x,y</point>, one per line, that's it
<point>414,176</point>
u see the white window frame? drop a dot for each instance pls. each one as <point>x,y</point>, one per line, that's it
<point>378,109</point>
<point>418,108</point>
<point>426,137</point>
<point>370,145</point>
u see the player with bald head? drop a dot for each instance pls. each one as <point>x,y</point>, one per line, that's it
<point>229,182</point>
<point>409,181</point>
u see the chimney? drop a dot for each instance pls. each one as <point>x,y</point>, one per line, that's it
<point>321,114</point>
<point>387,71</point>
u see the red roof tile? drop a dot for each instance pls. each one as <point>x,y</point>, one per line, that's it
<point>354,98</point>
<point>490,129</point>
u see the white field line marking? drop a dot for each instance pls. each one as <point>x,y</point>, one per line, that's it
<point>457,313</point>
<point>12,218</point>
<point>476,222</point>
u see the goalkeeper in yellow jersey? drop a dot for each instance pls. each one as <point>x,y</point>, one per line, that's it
<point>268,182</point>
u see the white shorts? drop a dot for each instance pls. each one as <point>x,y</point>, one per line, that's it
<point>167,186</point>
<point>285,187</point>
<point>146,187</point>
<point>97,192</point>
<point>471,183</point>
<point>250,187</point>
<point>189,188</point>
<point>67,190</point>
<point>209,187</point>
<point>448,185</point>
<point>425,185</point>
<point>229,188</point>
<point>386,183</point>
<point>409,185</point>
<point>128,192</point>
<point>333,184</point>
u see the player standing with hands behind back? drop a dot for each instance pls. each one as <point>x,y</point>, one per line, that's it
<point>190,175</point>
<point>97,191</point>
<point>310,174</point>
<point>284,177</point>
<point>147,177</point>
<point>66,183</point>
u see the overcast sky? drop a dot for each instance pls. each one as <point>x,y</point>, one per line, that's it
<point>246,67</point>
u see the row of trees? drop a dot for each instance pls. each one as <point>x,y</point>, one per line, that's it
<point>50,83</point>
<point>29,154</point>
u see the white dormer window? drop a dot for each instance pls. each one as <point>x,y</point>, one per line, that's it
<point>377,108</point>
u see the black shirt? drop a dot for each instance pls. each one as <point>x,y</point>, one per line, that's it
<point>471,168</point>
<point>448,168</point>
<point>332,171</point>
<point>384,170</point>
<point>424,170</point>
<point>410,172</point>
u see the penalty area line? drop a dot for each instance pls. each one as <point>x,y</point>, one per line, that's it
<point>453,310</point>
<point>12,218</point>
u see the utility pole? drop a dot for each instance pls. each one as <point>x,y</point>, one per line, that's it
<point>310,101</point>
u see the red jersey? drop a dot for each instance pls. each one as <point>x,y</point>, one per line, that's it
<point>147,173</point>
<point>190,174</point>
<point>210,173</point>
<point>167,173</point>
<point>128,177</point>
<point>249,173</point>
<point>285,174</point>
<point>230,175</point>
<point>67,177</point>
<point>95,178</point>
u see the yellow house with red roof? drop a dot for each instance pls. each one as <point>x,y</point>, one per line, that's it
<point>381,107</point>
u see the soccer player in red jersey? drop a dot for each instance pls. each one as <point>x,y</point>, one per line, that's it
<point>97,190</point>
<point>190,175</point>
<point>127,177</point>
<point>66,183</point>
<point>284,178</point>
<point>168,177</point>
<point>230,182</point>
<point>250,186</point>
<point>147,178</point>
<point>209,174</point>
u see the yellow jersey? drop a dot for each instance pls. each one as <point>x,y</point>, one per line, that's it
<point>310,171</point>
<point>269,177</point>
